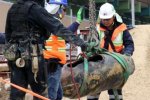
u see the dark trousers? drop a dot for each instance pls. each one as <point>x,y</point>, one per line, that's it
<point>54,68</point>
<point>112,95</point>
<point>24,77</point>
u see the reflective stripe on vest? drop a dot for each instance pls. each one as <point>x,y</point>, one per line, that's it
<point>55,48</point>
<point>117,37</point>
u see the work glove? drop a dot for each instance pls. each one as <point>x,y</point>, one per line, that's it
<point>80,15</point>
<point>87,47</point>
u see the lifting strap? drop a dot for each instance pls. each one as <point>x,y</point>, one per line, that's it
<point>122,61</point>
<point>86,67</point>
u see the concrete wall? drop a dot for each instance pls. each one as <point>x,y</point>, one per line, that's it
<point>4,6</point>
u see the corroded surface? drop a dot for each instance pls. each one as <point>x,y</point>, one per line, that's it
<point>104,72</point>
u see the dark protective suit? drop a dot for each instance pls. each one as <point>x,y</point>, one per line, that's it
<point>28,23</point>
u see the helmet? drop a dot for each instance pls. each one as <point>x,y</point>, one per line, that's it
<point>62,2</point>
<point>107,11</point>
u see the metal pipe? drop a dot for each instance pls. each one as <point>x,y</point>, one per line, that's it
<point>133,12</point>
<point>71,15</point>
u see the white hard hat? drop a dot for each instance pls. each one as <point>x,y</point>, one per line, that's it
<point>106,11</point>
<point>52,8</point>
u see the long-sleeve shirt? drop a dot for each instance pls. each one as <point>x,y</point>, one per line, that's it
<point>73,27</point>
<point>39,16</point>
<point>127,39</point>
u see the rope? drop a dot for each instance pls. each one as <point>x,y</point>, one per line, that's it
<point>24,90</point>
<point>73,80</point>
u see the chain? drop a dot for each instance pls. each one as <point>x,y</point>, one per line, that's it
<point>93,36</point>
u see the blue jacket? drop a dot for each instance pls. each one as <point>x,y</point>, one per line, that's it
<point>73,27</point>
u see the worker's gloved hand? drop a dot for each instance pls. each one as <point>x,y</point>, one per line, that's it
<point>87,46</point>
<point>80,15</point>
<point>84,47</point>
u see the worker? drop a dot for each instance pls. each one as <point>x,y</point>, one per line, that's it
<point>28,25</point>
<point>115,37</point>
<point>55,52</point>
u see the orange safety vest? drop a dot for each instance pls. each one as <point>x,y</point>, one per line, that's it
<point>117,37</point>
<point>55,48</point>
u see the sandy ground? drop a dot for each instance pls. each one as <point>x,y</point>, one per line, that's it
<point>138,85</point>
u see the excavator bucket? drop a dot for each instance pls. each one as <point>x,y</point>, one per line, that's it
<point>98,73</point>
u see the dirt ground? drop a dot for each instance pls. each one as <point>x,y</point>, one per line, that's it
<point>138,85</point>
